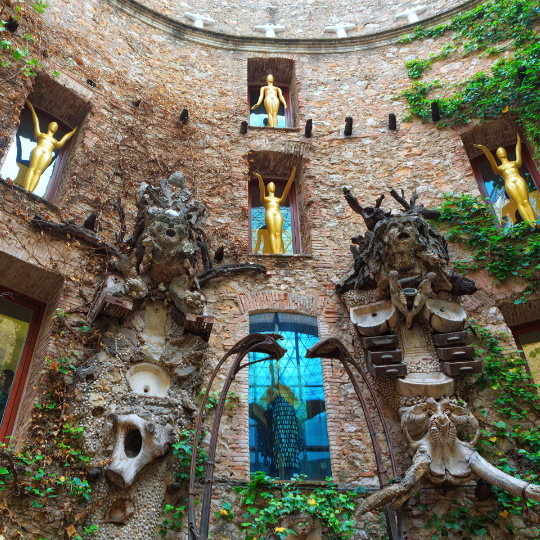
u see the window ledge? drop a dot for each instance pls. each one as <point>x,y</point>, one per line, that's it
<point>30,196</point>
<point>276,256</point>
<point>267,128</point>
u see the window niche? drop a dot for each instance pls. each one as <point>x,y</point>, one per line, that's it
<point>52,102</point>
<point>276,168</point>
<point>287,414</point>
<point>283,72</point>
<point>493,135</point>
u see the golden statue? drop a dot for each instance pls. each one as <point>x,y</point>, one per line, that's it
<point>271,101</point>
<point>42,154</point>
<point>515,185</point>
<point>273,217</point>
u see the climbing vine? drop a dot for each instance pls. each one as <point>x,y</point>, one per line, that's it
<point>498,26</point>
<point>267,503</point>
<point>512,252</point>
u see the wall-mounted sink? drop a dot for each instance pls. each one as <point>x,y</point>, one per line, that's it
<point>374,319</point>
<point>148,379</point>
<point>444,316</point>
<point>435,385</point>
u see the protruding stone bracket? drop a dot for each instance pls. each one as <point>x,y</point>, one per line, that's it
<point>139,443</point>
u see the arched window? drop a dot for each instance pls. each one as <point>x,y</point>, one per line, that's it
<point>287,413</point>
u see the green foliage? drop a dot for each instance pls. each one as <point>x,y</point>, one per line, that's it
<point>173,520</point>
<point>226,511</point>
<point>513,252</point>
<point>494,27</point>
<point>183,449</point>
<point>268,502</point>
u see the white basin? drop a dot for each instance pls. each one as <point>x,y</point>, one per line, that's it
<point>149,379</point>
<point>435,385</point>
<point>374,319</point>
<point>444,316</point>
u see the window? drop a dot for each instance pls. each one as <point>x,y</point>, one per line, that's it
<point>259,117</point>
<point>17,158</point>
<point>19,326</point>
<point>528,340</point>
<point>283,72</point>
<point>492,186</point>
<point>260,240</point>
<point>287,414</point>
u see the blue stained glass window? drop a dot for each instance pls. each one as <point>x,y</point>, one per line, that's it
<point>287,414</point>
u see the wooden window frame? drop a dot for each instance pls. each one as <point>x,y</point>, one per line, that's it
<point>517,331</point>
<point>19,381</point>
<point>59,162</point>
<point>295,222</point>
<point>289,121</point>
<point>527,161</point>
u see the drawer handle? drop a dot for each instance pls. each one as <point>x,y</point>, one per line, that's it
<point>468,368</point>
<point>459,353</point>
<point>453,338</point>
<point>387,357</point>
<point>391,371</point>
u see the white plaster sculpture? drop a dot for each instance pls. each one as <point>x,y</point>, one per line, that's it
<point>270,30</point>
<point>138,444</point>
<point>430,429</point>
<point>411,14</point>
<point>200,21</point>
<point>148,379</point>
<point>340,29</point>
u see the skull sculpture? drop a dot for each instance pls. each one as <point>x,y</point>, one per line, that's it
<point>431,431</point>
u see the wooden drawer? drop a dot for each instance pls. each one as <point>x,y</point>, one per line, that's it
<point>456,354</point>
<point>384,357</point>
<point>393,370</point>
<point>462,368</point>
<point>380,342</point>
<point>450,340</point>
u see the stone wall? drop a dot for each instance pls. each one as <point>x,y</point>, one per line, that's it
<point>142,77</point>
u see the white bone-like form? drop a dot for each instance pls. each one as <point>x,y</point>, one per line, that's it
<point>200,21</point>
<point>270,30</point>
<point>340,29</point>
<point>139,443</point>
<point>411,14</point>
<point>148,379</point>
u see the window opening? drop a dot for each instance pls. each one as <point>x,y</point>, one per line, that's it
<point>287,414</point>
<point>18,332</point>
<point>492,187</point>
<point>528,340</point>
<point>17,159</point>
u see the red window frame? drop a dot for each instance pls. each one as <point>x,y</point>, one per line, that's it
<point>19,381</point>
<point>289,123</point>
<point>527,161</point>
<point>295,222</point>
<point>59,162</point>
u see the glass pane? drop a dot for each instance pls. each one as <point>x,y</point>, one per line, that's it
<point>530,343</point>
<point>505,208</point>
<point>18,157</point>
<point>14,323</point>
<point>258,117</point>
<point>260,241</point>
<point>287,414</point>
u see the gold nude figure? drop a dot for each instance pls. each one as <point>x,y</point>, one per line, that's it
<point>41,155</point>
<point>515,185</point>
<point>271,101</point>
<point>273,217</point>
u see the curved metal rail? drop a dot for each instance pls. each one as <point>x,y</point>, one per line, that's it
<point>267,344</point>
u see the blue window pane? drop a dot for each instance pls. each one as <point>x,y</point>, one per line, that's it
<point>287,429</point>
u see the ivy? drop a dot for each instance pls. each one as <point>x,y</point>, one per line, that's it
<point>492,28</point>
<point>267,502</point>
<point>512,252</point>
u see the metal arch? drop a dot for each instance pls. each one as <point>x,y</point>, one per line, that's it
<point>267,344</point>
